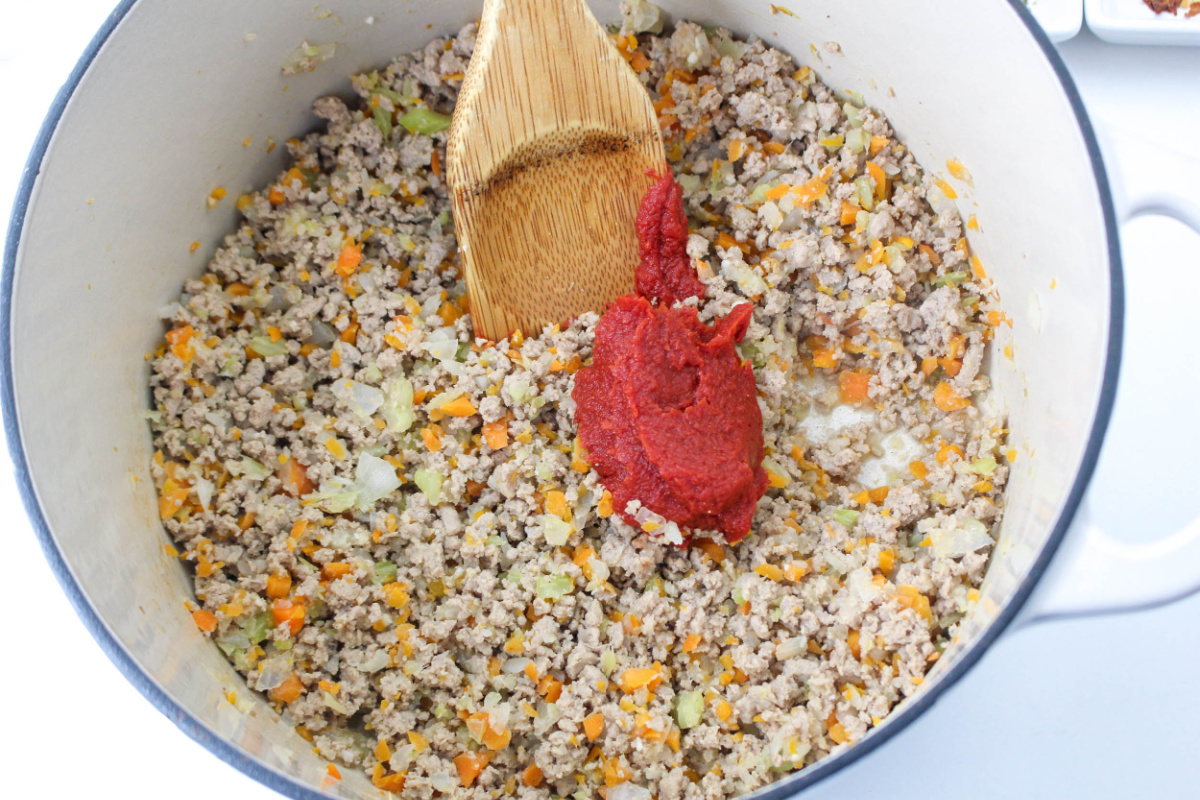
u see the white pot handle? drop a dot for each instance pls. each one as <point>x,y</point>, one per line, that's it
<point>1094,573</point>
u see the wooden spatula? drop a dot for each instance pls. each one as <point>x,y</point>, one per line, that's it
<point>547,159</point>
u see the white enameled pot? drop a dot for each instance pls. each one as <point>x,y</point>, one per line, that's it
<point>155,115</point>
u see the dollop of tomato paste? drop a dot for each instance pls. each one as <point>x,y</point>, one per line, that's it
<point>668,410</point>
<point>665,273</point>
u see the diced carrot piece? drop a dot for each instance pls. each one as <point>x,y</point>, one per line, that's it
<point>297,482</point>
<point>918,469</point>
<point>769,571</point>
<point>691,642</point>
<point>637,677</point>
<point>278,585</point>
<point>460,406</point>
<point>724,710</point>
<point>531,776</point>
<point>795,570</point>
<point>711,549</point>
<point>290,612</point>
<point>928,365</point>
<point>393,783</point>
<point>395,595</point>
<point>593,726</point>
<point>878,494</point>
<point>604,508</point>
<point>946,450</point>
<point>776,192</point>
<point>382,751</point>
<point>737,148</point>
<point>877,144</point>
<point>335,569</point>
<point>837,732</point>
<point>880,178</point>
<point>496,434</point>
<point>638,61</point>
<point>852,641</point>
<point>946,188</point>
<point>431,439</point>
<point>205,620</point>
<point>556,504</point>
<point>496,741</point>
<point>276,196</point>
<point>849,213</point>
<point>887,560</point>
<point>469,765</point>
<point>550,688</point>
<point>288,691</point>
<point>946,399</point>
<point>349,259</point>
<point>853,387</point>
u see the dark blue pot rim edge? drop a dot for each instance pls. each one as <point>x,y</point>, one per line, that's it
<point>291,787</point>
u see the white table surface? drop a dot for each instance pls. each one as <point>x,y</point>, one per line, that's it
<point>1097,708</point>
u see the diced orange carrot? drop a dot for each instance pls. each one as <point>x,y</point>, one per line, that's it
<point>276,196</point>
<point>616,773</point>
<point>769,571</point>
<point>290,612</point>
<point>496,741</point>
<point>737,148</point>
<point>637,677</point>
<point>946,399</point>
<point>460,406</point>
<point>349,259</point>
<point>496,434</point>
<point>878,494</point>
<point>795,570</point>
<point>393,783</point>
<point>531,776</point>
<point>278,585</point>
<point>335,569</point>
<point>877,144</point>
<point>395,595</point>
<point>205,620</point>
<point>638,61</point>
<point>946,188</point>
<point>288,691</point>
<point>775,148</point>
<point>435,162</point>
<point>880,178</point>
<point>431,439</point>
<point>724,710</point>
<point>711,549</point>
<point>691,642</point>
<point>604,508</point>
<point>853,387</point>
<point>849,213</point>
<point>946,450</point>
<point>469,765</point>
<point>887,560</point>
<point>556,504</point>
<point>593,726</point>
<point>852,641</point>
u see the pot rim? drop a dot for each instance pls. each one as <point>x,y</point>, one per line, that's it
<point>288,785</point>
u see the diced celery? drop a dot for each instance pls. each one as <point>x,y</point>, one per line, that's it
<point>430,483</point>
<point>267,348</point>
<point>384,572</point>
<point>383,118</point>
<point>552,587</point>
<point>424,120</point>
<point>689,709</point>
<point>845,517</point>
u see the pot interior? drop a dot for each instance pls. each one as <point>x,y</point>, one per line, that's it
<point>159,120</point>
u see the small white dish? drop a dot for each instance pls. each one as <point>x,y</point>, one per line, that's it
<point>1060,19</point>
<point>1132,22</point>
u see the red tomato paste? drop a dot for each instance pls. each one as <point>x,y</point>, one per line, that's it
<point>665,273</point>
<point>668,410</point>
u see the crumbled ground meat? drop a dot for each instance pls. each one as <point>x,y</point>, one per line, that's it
<point>397,538</point>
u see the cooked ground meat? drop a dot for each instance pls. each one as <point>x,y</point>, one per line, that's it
<point>397,537</point>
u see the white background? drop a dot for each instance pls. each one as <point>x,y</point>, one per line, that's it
<point>1098,708</point>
